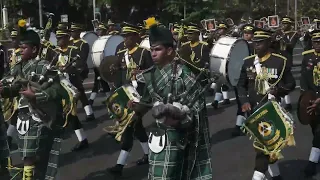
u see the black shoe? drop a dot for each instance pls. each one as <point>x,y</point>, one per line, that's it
<point>4,174</point>
<point>81,146</point>
<point>310,170</point>
<point>116,170</point>
<point>237,132</point>
<point>226,102</point>
<point>288,107</point>
<point>90,118</point>
<point>215,104</point>
<point>91,102</point>
<point>277,178</point>
<point>143,160</point>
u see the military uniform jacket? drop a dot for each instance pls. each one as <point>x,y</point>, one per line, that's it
<point>83,50</point>
<point>136,59</point>
<point>48,99</point>
<point>67,56</point>
<point>290,39</point>
<point>310,71</point>
<point>197,54</point>
<point>47,51</point>
<point>273,67</point>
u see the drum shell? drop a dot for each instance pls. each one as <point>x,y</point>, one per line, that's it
<point>105,46</point>
<point>90,38</point>
<point>226,58</point>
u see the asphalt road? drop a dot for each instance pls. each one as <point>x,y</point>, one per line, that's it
<point>232,158</point>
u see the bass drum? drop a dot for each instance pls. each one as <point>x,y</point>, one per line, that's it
<point>145,43</point>
<point>90,38</point>
<point>53,39</point>
<point>226,58</point>
<point>105,46</point>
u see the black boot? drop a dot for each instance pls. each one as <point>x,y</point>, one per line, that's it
<point>277,178</point>
<point>310,170</point>
<point>90,118</point>
<point>215,104</point>
<point>237,132</point>
<point>143,160</point>
<point>226,102</point>
<point>91,102</point>
<point>4,172</point>
<point>116,170</point>
<point>81,146</point>
<point>288,107</point>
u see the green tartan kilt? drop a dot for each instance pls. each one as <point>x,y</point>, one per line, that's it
<point>37,141</point>
<point>174,163</point>
<point>4,147</point>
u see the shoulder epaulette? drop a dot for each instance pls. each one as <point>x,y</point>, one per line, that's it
<point>308,52</point>
<point>121,51</point>
<point>249,57</point>
<point>183,44</point>
<point>73,47</point>
<point>280,56</point>
<point>205,43</point>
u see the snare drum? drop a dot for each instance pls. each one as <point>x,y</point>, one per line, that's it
<point>90,38</point>
<point>117,102</point>
<point>271,128</point>
<point>145,43</point>
<point>105,46</point>
<point>226,57</point>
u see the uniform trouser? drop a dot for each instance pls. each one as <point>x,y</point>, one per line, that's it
<point>74,121</point>
<point>98,83</point>
<point>136,129</point>
<point>239,111</point>
<point>82,95</point>
<point>315,127</point>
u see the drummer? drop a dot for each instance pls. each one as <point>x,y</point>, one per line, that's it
<point>133,59</point>
<point>99,83</point>
<point>272,70</point>
<point>309,81</point>
<point>82,46</point>
<point>112,28</point>
<point>221,90</point>
<point>247,35</point>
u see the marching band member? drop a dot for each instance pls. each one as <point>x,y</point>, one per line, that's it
<point>133,60</point>
<point>112,29</point>
<point>83,48</point>
<point>270,70</point>
<point>289,41</point>
<point>180,158</point>
<point>310,82</point>
<point>221,89</point>
<point>247,35</point>
<point>66,54</point>
<point>99,83</point>
<point>40,110</point>
<point>196,52</point>
<point>14,58</point>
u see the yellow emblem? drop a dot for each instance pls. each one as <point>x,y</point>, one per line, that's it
<point>116,109</point>
<point>265,129</point>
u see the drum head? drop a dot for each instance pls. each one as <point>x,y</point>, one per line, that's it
<point>145,43</point>
<point>53,38</point>
<point>105,46</point>
<point>90,38</point>
<point>303,103</point>
<point>109,69</point>
<point>239,51</point>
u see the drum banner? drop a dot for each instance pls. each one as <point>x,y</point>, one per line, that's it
<point>271,129</point>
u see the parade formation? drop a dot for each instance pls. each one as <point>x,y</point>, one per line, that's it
<point>167,70</point>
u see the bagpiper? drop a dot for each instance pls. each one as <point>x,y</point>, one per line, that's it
<point>270,71</point>
<point>99,83</point>
<point>70,54</point>
<point>310,73</point>
<point>176,151</point>
<point>133,59</point>
<point>40,108</point>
